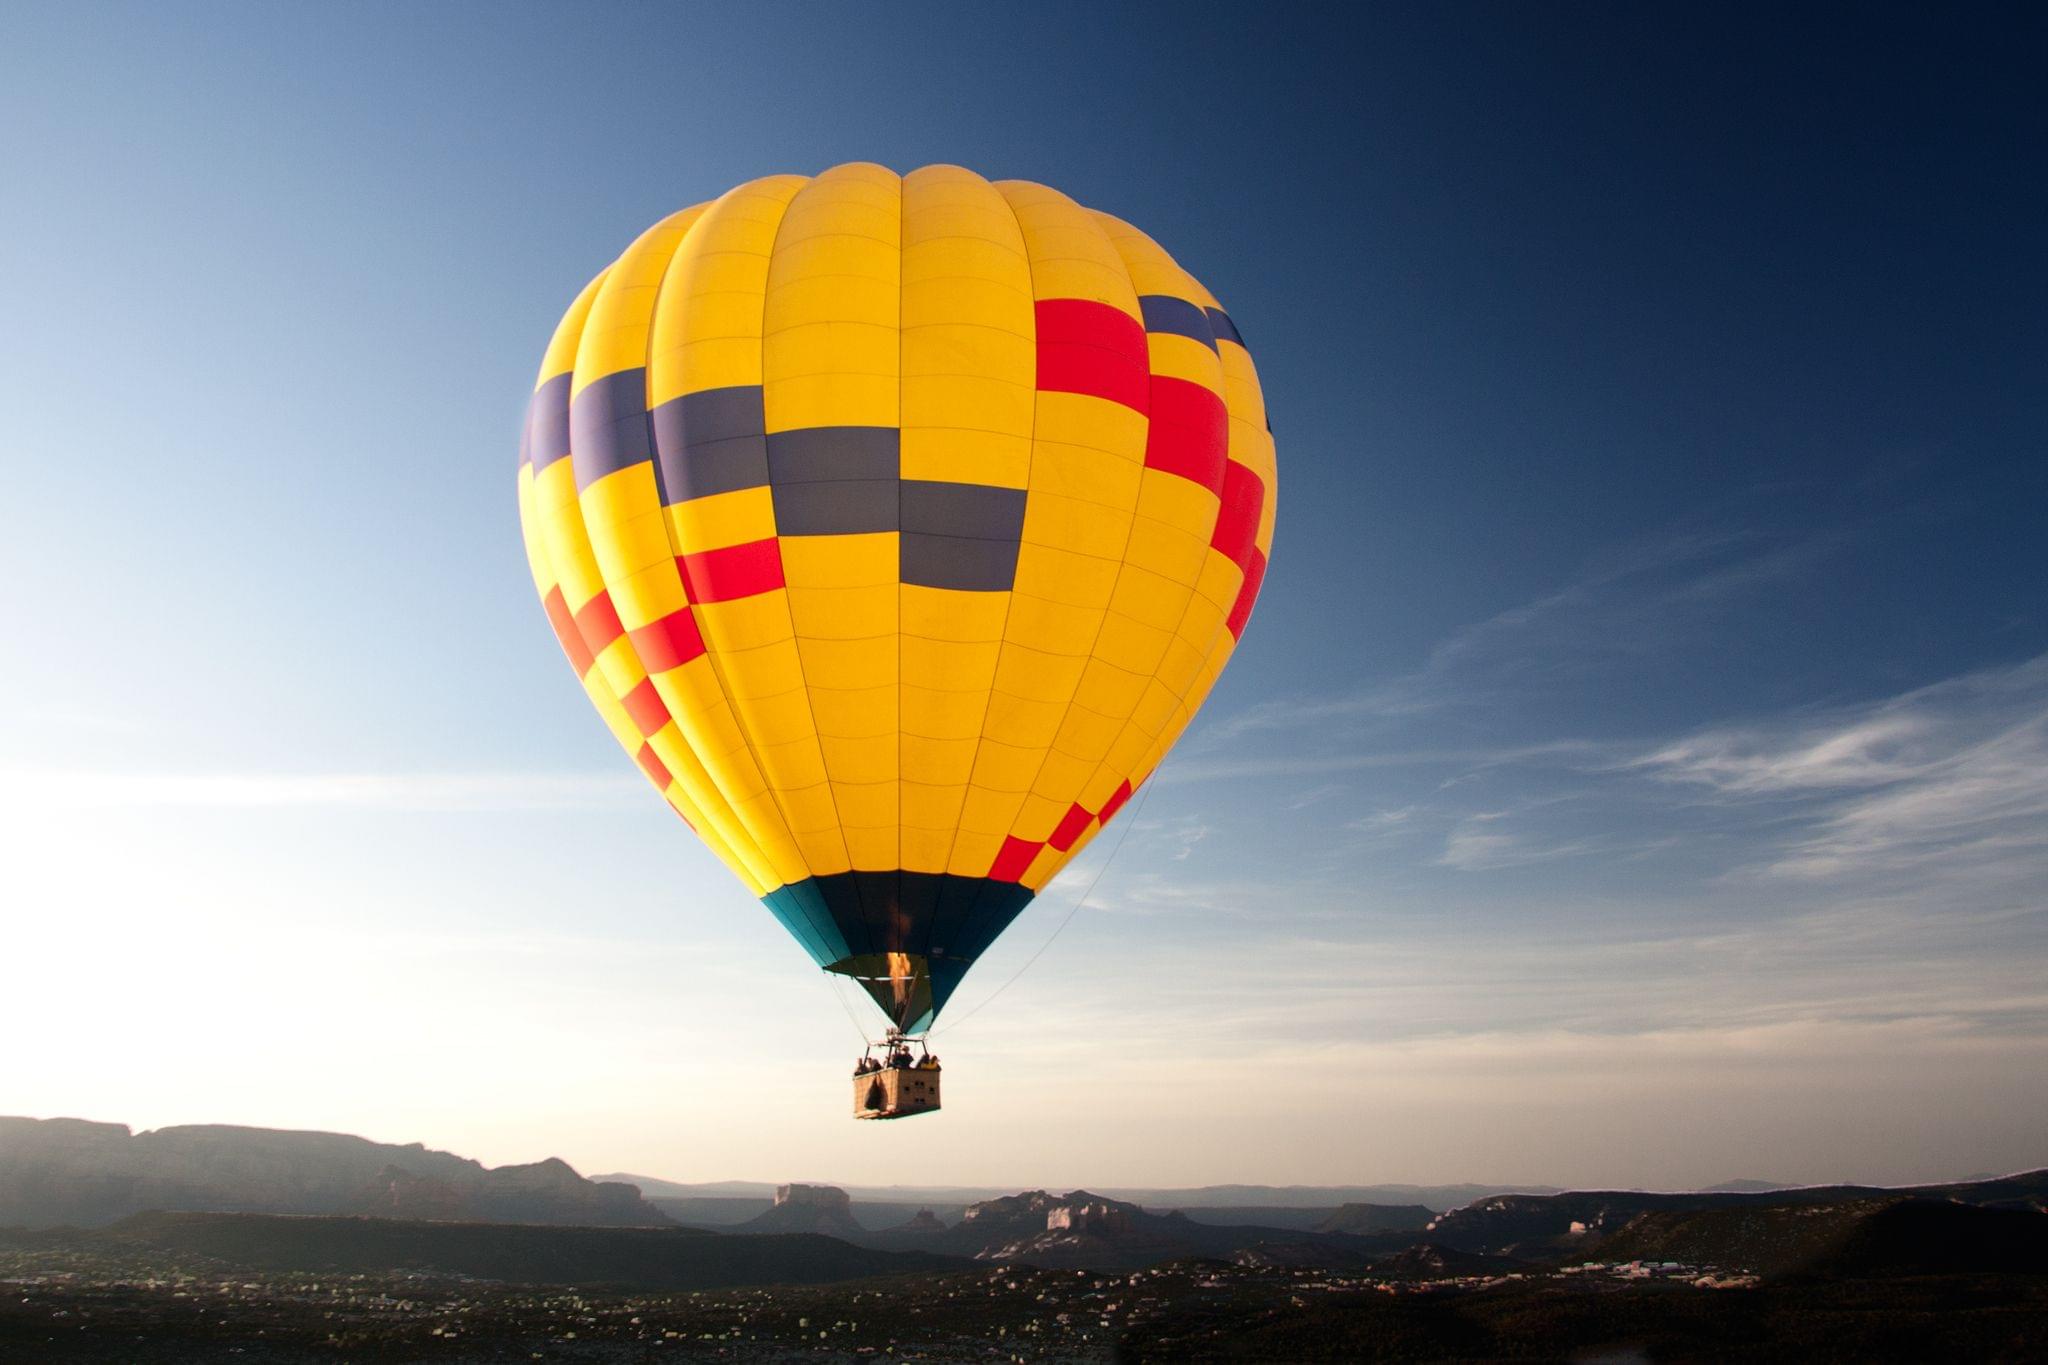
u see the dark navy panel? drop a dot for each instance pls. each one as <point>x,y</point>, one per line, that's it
<point>963,509</point>
<point>957,896</point>
<point>710,468</point>
<point>935,914</point>
<point>878,893</point>
<point>718,414</point>
<point>945,979</point>
<point>961,535</point>
<point>711,442</point>
<point>940,921</point>
<point>835,507</point>
<point>918,902</point>
<point>1165,313</point>
<point>547,423</point>
<point>608,426</point>
<point>1226,330</point>
<point>833,453</point>
<point>995,905</point>
<point>963,563</point>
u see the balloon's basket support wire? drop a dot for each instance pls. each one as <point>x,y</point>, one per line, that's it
<point>899,1082</point>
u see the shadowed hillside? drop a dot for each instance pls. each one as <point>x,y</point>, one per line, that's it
<point>645,1260</point>
<point>1558,1224</point>
<point>168,1288</point>
<point>1870,1237</point>
<point>1849,1322</point>
<point>1365,1219</point>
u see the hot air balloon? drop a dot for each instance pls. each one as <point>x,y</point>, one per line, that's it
<point>896,527</point>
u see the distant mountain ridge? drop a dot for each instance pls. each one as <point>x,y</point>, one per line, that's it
<point>72,1172</point>
<point>61,1172</point>
<point>1320,1199</point>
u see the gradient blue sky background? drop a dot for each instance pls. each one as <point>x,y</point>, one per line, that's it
<point>1636,772</point>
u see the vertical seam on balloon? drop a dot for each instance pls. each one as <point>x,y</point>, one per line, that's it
<point>869,922</point>
<point>838,820</point>
<point>900,563</point>
<point>1141,773</point>
<point>1031,453</point>
<point>1194,590</point>
<point>593,678</point>
<point>1002,631</point>
<point>739,825</point>
<point>1123,557</point>
<point>676,550</point>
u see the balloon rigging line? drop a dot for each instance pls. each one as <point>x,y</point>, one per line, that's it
<point>836,986</point>
<point>1094,882</point>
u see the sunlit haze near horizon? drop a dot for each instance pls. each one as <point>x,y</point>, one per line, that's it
<point>1636,772</point>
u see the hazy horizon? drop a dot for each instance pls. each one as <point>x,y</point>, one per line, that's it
<point>1636,773</point>
<point>710,1181</point>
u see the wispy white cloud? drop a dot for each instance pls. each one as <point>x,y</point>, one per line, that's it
<point>1211,767</point>
<point>1952,773</point>
<point>1943,784</point>
<point>43,789</point>
<point>1478,843</point>
<point>1184,837</point>
<point>1393,699</point>
<point>1625,605</point>
<point>1643,579</point>
<point>1868,750</point>
<point>1681,968</point>
<point>1386,821</point>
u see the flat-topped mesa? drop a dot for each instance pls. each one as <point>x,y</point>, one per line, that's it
<point>1034,1211</point>
<point>814,1196</point>
<point>824,1209</point>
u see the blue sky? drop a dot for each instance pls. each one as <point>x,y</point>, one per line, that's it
<point>1637,770</point>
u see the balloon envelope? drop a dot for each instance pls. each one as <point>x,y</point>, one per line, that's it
<point>897,527</point>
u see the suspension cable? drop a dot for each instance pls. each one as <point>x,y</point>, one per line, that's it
<point>835,985</point>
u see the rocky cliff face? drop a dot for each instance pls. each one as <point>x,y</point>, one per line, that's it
<point>1026,1213</point>
<point>1101,1218</point>
<point>1077,1229</point>
<point>56,1172</point>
